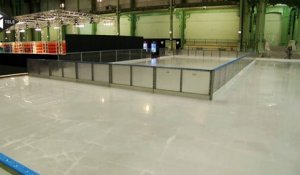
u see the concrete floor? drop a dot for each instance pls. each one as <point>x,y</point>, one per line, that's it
<point>63,128</point>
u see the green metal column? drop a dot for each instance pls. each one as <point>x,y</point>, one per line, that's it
<point>94,28</point>
<point>297,30</point>
<point>132,4</point>
<point>285,26</point>
<point>133,20</point>
<point>171,23</point>
<point>94,5</point>
<point>63,32</point>
<point>48,33</point>
<point>245,15</point>
<point>260,26</point>
<point>78,5</point>
<point>181,15</point>
<point>118,17</point>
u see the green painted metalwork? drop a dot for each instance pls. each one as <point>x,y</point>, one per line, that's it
<point>181,15</point>
<point>94,28</point>
<point>260,27</point>
<point>133,20</point>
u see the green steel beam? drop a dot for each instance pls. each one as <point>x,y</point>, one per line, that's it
<point>171,23</point>
<point>78,5</point>
<point>245,25</point>
<point>94,5</point>
<point>260,27</point>
<point>94,28</point>
<point>48,33</point>
<point>181,15</point>
<point>133,20</point>
<point>132,4</point>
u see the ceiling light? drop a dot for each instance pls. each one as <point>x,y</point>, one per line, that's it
<point>22,31</point>
<point>79,25</point>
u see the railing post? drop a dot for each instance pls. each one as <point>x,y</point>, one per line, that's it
<point>81,56</point>
<point>141,54</point>
<point>154,78</point>
<point>116,55</point>
<point>211,84</point>
<point>181,80</point>
<point>100,57</point>
<point>131,75</point>
<point>129,54</point>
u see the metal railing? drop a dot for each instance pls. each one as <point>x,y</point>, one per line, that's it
<point>202,52</point>
<point>105,56</point>
<point>187,81</point>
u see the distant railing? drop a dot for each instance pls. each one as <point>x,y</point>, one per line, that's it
<point>231,45</point>
<point>197,52</point>
<point>105,56</point>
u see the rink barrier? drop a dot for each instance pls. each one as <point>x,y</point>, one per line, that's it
<point>14,167</point>
<point>190,82</point>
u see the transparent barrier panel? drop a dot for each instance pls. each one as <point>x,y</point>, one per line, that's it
<point>69,70</point>
<point>135,54</point>
<point>71,57</point>
<point>121,74</point>
<point>233,54</point>
<point>195,82</point>
<point>44,67</point>
<point>168,79</point>
<point>217,80</point>
<point>146,54</point>
<point>142,76</point>
<point>84,71</point>
<point>56,68</point>
<point>199,52</point>
<point>215,53</point>
<point>101,72</point>
<point>123,55</point>
<point>91,56</point>
<point>207,53</point>
<point>33,66</point>
<point>108,56</point>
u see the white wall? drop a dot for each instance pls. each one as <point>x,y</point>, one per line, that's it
<point>157,26</point>
<point>125,26</point>
<point>103,29</point>
<point>273,29</point>
<point>86,30</point>
<point>213,24</point>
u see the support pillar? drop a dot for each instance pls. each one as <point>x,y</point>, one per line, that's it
<point>181,15</point>
<point>260,26</point>
<point>118,17</point>
<point>94,5</point>
<point>297,30</point>
<point>132,4</point>
<point>245,15</point>
<point>171,24</point>
<point>94,28</point>
<point>133,20</point>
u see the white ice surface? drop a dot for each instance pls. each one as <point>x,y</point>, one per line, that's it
<point>252,127</point>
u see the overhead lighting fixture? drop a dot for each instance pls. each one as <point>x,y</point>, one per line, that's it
<point>37,28</point>
<point>62,5</point>
<point>99,0</point>
<point>56,28</point>
<point>8,31</point>
<point>79,25</point>
<point>22,31</point>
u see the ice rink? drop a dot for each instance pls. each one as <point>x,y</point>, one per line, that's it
<point>65,128</point>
